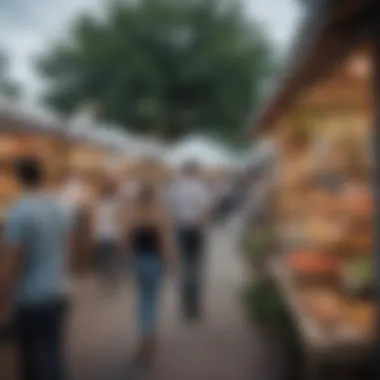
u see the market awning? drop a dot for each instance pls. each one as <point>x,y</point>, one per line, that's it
<point>205,152</point>
<point>16,117</point>
<point>329,32</point>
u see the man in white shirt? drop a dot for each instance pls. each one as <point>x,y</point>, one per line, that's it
<point>190,200</point>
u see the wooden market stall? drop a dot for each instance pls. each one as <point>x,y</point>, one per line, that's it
<point>64,154</point>
<point>152,171</point>
<point>87,163</point>
<point>321,117</point>
<point>22,136</point>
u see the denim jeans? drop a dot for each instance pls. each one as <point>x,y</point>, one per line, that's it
<point>149,276</point>
<point>39,333</point>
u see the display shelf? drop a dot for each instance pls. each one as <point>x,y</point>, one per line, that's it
<point>340,343</point>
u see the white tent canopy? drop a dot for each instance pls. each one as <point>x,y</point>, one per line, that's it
<point>201,150</point>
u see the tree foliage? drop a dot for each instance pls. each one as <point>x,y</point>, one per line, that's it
<point>8,88</point>
<point>161,67</point>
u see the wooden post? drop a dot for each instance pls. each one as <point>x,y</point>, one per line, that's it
<point>375,39</point>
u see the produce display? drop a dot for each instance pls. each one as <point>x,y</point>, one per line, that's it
<point>325,305</point>
<point>259,240</point>
<point>326,226</point>
<point>357,276</point>
<point>313,264</point>
<point>264,305</point>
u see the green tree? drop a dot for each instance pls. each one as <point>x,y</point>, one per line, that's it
<point>8,88</point>
<point>161,67</point>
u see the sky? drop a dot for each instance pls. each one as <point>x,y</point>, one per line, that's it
<point>28,27</point>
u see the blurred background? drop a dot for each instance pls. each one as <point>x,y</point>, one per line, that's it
<point>275,101</point>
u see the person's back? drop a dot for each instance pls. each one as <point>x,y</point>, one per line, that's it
<point>33,276</point>
<point>150,242</point>
<point>146,240</point>
<point>44,229</point>
<point>189,199</point>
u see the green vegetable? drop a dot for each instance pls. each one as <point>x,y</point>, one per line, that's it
<point>264,303</point>
<point>359,269</point>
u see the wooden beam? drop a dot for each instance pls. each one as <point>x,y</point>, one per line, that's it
<point>375,43</point>
<point>331,53</point>
<point>347,9</point>
<point>327,52</point>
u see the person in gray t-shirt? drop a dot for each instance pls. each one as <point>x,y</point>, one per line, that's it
<point>34,278</point>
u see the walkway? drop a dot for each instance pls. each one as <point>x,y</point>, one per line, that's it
<point>224,346</point>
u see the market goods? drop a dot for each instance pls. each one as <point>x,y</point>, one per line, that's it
<point>357,201</point>
<point>264,304</point>
<point>322,202</point>
<point>362,315</point>
<point>292,234</point>
<point>324,305</point>
<point>357,276</point>
<point>324,232</point>
<point>327,220</point>
<point>360,243</point>
<point>311,263</point>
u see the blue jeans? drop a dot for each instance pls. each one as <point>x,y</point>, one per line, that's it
<point>149,276</point>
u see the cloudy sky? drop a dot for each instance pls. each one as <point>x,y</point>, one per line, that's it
<point>28,26</point>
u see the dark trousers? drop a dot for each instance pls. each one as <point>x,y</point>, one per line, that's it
<point>191,242</point>
<point>39,332</point>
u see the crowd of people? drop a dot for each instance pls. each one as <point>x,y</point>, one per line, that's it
<point>152,229</point>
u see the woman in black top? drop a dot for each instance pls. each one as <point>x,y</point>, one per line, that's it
<point>150,242</point>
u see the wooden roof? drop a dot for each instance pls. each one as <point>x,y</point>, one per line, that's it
<point>326,37</point>
<point>16,120</point>
<point>343,89</point>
